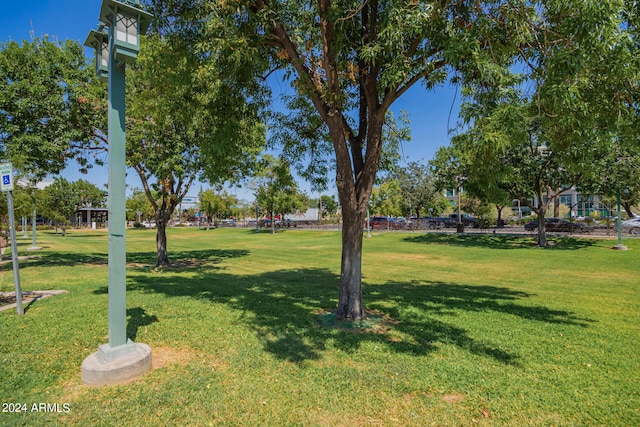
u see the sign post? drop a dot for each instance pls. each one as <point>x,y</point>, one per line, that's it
<point>6,185</point>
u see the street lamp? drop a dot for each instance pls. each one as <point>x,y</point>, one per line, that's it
<point>117,43</point>
<point>257,227</point>
<point>100,42</point>
<point>619,246</point>
<point>34,219</point>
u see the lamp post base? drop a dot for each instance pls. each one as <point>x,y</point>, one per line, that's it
<point>619,248</point>
<point>116,365</point>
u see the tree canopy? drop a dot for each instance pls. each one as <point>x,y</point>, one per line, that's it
<point>48,107</point>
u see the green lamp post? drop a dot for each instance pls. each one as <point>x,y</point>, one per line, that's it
<point>117,43</point>
<point>619,246</point>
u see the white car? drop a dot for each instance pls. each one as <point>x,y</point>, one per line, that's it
<point>633,225</point>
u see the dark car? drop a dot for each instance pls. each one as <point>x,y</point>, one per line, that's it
<point>266,223</point>
<point>287,223</point>
<point>426,223</point>
<point>558,225</point>
<point>385,223</point>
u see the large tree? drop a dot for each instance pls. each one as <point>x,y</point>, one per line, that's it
<point>351,61</point>
<point>555,120</point>
<point>183,124</point>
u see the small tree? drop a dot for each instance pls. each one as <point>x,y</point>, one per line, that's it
<point>419,192</point>
<point>214,205</point>
<point>387,199</point>
<point>138,206</point>
<point>183,124</point>
<point>61,202</point>
<point>275,188</point>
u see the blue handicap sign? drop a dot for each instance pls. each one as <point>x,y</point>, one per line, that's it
<point>6,179</point>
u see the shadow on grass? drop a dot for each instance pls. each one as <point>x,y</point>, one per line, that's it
<point>138,317</point>
<point>285,307</point>
<point>136,260</point>
<point>498,241</point>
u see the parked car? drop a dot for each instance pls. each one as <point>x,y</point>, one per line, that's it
<point>289,223</point>
<point>633,225</point>
<point>384,223</point>
<point>558,225</point>
<point>426,223</point>
<point>465,219</point>
<point>503,222</point>
<point>265,222</point>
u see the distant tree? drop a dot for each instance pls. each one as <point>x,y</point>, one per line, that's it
<point>545,128</point>
<point>61,203</point>
<point>215,205</point>
<point>418,189</point>
<point>88,194</point>
<point>387,199</point>
<point>329,205</point>
<point>275,189</point>
<point>138,202</point>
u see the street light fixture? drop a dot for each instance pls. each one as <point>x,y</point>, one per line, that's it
<point>99,40</point>
<point>126,23</point>
<point>117,43</point>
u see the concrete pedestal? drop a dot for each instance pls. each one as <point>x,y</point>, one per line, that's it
<point>619,248</point>
<point>115,365</point>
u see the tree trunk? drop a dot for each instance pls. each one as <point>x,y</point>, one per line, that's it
<point>162,259</point>
<point>350,299</point>
<point>273,223</point>
<point>627,208</point>
<point>556,204</point>
<point>418,224</point>
<point>542,233</point>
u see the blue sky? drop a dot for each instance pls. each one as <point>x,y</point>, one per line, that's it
<point>72,19</point>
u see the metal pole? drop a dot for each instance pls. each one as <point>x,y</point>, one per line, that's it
<point>619,221</point>
<point>117,198</point>
<point>257,229</point>
<point>34,219</point>
<point>24,228</point>
<point>619,246</point>
<point>14,254</point>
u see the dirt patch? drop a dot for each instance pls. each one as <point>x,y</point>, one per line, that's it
<point>163,356</point>
<point>374,322</point>
<point>396,256</point>
<point>453,398</point>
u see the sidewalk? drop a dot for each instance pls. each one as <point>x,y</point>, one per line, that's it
<point>27,297</point>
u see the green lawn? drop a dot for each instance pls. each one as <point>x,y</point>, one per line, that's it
<point>478,330</point>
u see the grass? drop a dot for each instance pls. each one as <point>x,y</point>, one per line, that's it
<point>475,330</point>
